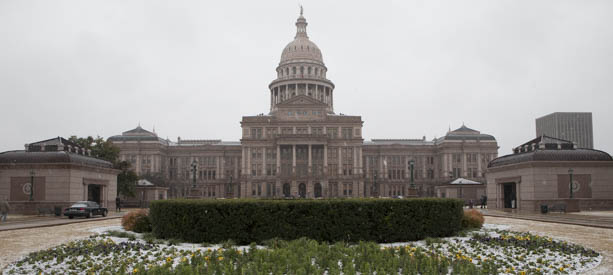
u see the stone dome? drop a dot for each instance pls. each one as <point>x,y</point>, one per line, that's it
<point>301,48</point>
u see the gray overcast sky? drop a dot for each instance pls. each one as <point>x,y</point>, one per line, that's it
<point>409,68</point>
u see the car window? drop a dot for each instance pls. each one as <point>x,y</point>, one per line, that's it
<point>93,204</point>
<point>79,205</point>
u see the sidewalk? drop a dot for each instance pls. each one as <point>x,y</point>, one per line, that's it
<point>601,219</point>
<point>15,222</point>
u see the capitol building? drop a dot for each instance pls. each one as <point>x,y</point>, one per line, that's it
<point>303,148</point>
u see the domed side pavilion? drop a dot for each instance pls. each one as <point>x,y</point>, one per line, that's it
<point>540,172</point>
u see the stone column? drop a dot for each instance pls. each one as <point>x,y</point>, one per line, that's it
<point>380,173</point>
<point>325,160</point>
<point>138,160</point>
<point>248,161</point>
<point>293,159</point>
<point>360,161</point>
<point>243,160</point>
<point>355,160</point>
<point>340,161</point>
<point>264,160</point>
<point>407,169</point>
<point>385,170</point>
<point>464,166</point>
<point>218,174</point>
<point>310,169</point>
<point>278,159</point>
<point>446,165</point>
<point>222,167</point>
<point>479,173</point>
<point>424,163</point>
<point>235,174</point>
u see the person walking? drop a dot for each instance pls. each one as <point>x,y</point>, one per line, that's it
<point>4,209</point>
<point>483,201</point>
<point>118,204</point>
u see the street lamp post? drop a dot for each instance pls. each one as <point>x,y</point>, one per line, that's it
<point>412,165</point>
<point>374,185</point>
<point>570,174</point>
<point>32,185</point>
<point>230,189</point>
<point>194,169</point>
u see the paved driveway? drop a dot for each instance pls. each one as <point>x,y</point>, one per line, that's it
<point>15,244</point>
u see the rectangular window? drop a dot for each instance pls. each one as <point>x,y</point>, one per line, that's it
<point>271,132</point>
<point>332,132</point>
<point>456,172</point>
<point>347,133</point>
<point>256,133</point>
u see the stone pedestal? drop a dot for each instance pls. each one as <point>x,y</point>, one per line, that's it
<point>572,205</point>
<point>412,193</point>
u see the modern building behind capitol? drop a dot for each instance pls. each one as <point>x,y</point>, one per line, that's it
<point>302,148</point>
<point>572,126</point>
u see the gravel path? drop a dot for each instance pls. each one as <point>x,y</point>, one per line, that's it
<point>599,239</point>
<point>15,244</point>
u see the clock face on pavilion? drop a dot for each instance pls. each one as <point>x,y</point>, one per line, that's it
<point>576,186</point>
<point>27,188</point>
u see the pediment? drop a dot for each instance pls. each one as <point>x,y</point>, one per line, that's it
<point>301,100</point>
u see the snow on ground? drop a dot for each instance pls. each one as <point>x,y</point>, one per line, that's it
<point>513,258</point>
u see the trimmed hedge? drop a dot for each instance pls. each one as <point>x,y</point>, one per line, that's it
<point>256,220</point>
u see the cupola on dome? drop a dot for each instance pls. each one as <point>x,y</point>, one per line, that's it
<point>301,48</point>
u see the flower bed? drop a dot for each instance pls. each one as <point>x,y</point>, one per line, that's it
<point>487,251</point>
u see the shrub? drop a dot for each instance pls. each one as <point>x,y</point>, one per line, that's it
<point>121,234</point>
<point>472,219</point>
<point>250,220</point>
<point>137,221</point>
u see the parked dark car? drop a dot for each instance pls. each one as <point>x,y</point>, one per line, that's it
<point>85,209</point>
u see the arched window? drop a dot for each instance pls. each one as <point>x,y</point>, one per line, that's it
<point>309,71</point>
<point>286,71</point>
<point>301,70</point>
<point>293,70</point>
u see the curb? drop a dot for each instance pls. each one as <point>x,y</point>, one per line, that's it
<point>552,221</point>
<point>58,224</point>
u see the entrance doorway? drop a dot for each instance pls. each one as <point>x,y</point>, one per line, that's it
<point>509,195</point>
<point>93,192</point>
<point>317,190</point>
<point>302,190</point>
<point>286,190</point>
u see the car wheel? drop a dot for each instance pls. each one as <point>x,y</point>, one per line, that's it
<point>104,213</point>
<point>70,217</point>
<point>89,215</point>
